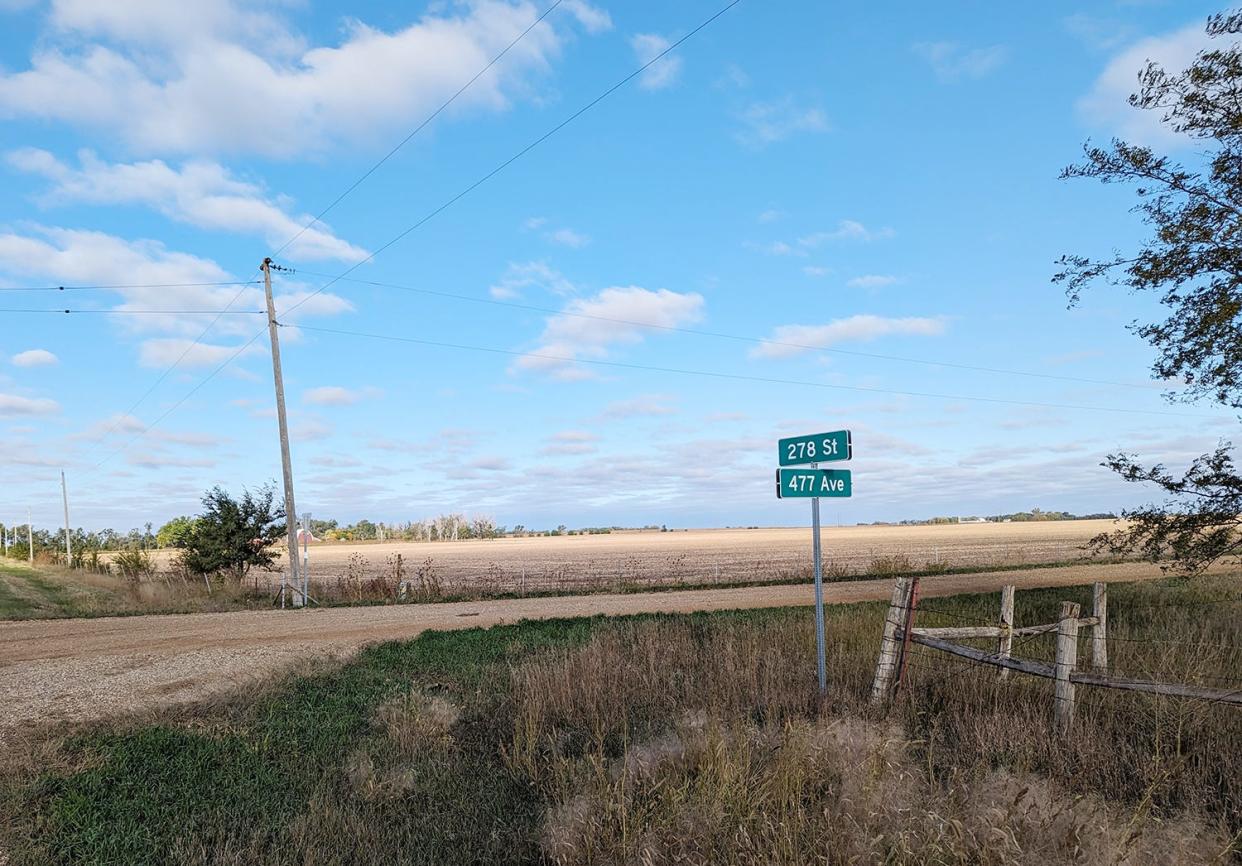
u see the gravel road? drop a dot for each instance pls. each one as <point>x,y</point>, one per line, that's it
<point>81,669</point>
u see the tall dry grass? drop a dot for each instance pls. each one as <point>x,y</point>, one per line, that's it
<point>668,742</point>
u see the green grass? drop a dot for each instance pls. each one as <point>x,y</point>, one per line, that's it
<point>243,781</point>
<point>282,775</point>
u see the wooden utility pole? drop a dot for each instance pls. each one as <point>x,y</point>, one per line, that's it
<point>286,463</point>
<point>29,537</point>
<point>64,493</point>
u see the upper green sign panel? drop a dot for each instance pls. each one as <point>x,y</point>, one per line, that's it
<point>818,448</point>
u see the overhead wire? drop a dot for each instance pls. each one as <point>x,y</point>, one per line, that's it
<point>432,214</point>
<point>470,188</point>
<point>763,341</point>
<point>116,420</point>
<point>116,286</point>
<point>123,312</point>
<point>370,171</point>
<point>741,377</point>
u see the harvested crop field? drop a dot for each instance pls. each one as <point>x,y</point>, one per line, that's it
<point>87,668</point>
<point>700,556</point>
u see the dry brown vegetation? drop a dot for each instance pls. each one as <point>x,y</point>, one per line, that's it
<point>677,739</point>
<point>702,556</point>
<point>622,561</point>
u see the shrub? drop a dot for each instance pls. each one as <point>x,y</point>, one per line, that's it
<point>232,536</point>
<point>134,564</point>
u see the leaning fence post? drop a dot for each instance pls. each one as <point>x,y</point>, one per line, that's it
<point>1005,647</point>
<point>1099,632</point>
<point>890,644</point>
<point>1066,659</point>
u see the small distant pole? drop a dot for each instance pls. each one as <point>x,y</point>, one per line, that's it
<point>64,493</point>
<point>29,537</point>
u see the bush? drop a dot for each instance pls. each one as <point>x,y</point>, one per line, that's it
<point>232,536</point>
<point>133,564</point>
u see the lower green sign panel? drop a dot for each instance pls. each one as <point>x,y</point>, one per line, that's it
<point>809,483</point>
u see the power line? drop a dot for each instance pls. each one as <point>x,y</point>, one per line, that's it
<point>143,312</point>
<point>739,377</point>
<point>116,286</point>
<point>521,153</point>
<point>370,171</point>
<point>763,341</point>
<point>467,190</point>
<point>179,403</point>
<point>167,370</point>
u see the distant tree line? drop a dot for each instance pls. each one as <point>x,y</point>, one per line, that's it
<point>1035,514</point>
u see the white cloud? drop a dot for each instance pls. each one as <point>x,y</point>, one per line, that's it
<point>592,19</point>
<point>575,436</point>
<point>595,324</point>
<point>804,338</point>
<point>204,194</point>
<point>1101,33</point>
<point>164,352</point>
<point>309,430</point>
<point>335,395</point>
<point>644,406</point>
<point>770,215</point>
<point>764,123</point>
<point>872,281</point>
<point>533,223</point>
<point>524,275</point>
<point>213,76</point>
<point>1106,105</point>
<point>950,62</point>
<point>816,271</point>
<point>567,237</point>
<point>112,425</point>
<point>846,230</point>
<point>12,404</point>
<point>157,279</point>
<point>661,74</point>
<point>34,358</point>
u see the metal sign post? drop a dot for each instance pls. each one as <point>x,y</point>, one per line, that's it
<point>816,553</point>
<point>813,483</point>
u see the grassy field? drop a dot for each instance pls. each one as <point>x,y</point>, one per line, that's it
<point>52,592</point>
<point>662,739</point>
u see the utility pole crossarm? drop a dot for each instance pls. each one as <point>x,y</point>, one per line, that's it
<point>286,462</point>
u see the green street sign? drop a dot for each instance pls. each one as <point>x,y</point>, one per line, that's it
<point>817,448</point>
<point>811,483</point>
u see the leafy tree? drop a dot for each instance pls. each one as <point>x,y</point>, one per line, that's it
<point>232,536</point>
<point>1193,260</point>
<point>175,533</point>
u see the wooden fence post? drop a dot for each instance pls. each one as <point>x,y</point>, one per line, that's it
<point>908,632</point>
<point>1099,632</point>
<point>890,644</point>
<point>1005,647</point>
<point>1066,660</point>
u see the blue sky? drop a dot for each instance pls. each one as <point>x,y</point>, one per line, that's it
<point>819,176</point>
